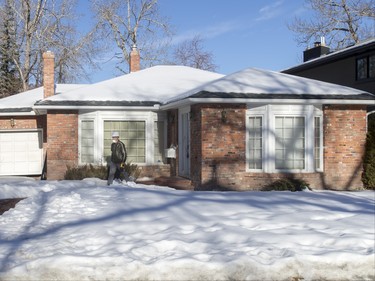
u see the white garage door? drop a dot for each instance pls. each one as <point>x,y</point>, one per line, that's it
<point>21,153</point>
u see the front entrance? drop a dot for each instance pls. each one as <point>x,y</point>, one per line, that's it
<point>184,142</point>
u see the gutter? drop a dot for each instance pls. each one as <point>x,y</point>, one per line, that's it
<point>190,101</point>
<point>44,108</point>
<point>18,113</point>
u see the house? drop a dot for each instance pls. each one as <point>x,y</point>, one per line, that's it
<point>231,132</point>
<point>353,66</point>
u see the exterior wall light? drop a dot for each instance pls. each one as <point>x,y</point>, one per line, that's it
<point>224,116</point>
<point>12,122</point>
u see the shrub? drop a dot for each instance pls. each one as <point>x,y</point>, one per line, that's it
<point>368,176</point>
<point>132,170</point>
<point>286,184</point>
<point>100,171</point>
<point>86,171</point>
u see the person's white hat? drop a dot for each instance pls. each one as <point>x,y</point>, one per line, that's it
<point>115,134</point>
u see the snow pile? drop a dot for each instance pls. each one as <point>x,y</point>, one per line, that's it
<point>83,230</point>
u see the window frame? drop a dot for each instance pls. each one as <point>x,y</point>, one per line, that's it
<point>269,113</point>
<point>284,116</point>
<point>367,69</point>
<point>249,115</point>
<point>129,130</point>
<point>99,117</point>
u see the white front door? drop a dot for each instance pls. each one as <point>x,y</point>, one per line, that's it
<point>21,153</point>
<point>184,143</point>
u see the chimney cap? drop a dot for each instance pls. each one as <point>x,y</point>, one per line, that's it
<point>48,54</point>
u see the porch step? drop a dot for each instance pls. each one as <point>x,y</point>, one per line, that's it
<point>175,182</point>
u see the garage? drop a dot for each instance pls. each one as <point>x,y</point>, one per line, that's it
<point>21,153</point>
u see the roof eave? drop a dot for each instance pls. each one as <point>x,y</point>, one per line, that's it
<point>334,56</point>
<point>93,107</point>
<point>17,112</point>
<point>190,101</point>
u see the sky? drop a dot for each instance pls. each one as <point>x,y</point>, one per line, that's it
<point>239,33</point>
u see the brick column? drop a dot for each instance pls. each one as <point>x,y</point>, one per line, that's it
<point>62,149</point>
<point>222,153</point>
<point>344,143</point>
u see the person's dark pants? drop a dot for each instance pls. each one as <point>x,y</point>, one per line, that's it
<point>113,168</point>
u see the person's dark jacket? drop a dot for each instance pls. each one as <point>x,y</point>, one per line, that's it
<point>118,152</point>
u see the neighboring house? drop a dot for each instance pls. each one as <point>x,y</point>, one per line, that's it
<point>353,66</point>
<point>236,132</point>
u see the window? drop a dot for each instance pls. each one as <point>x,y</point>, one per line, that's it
<point>159,141</point>
<point>143,133</point>
<point>317,143</point>
<point>372,66</point>
<point>87,141</point>
<point>255,142</point>
<point>290,143</point>
<point>366,67</point>
<point>132,134</point>
<point>284,138</point>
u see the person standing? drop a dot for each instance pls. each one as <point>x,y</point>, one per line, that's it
<point>118,158</point>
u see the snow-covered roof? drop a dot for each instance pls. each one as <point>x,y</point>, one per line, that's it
<point>168,85</point>
<point>152,84</point>
<point>26,100</point>
<point>253,83</point>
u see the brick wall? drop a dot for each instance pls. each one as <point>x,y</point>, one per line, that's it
<point>218,146</point>
<point>218,150</point>
<point>344,142</point>
<point>154,171</point>
<point>25,123</point>
<point>62,149</point>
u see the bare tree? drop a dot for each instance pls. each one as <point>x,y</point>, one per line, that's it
<point>191,53</point>
<point>133,22</point>
<point>341,22</point>
<point>49,25</point>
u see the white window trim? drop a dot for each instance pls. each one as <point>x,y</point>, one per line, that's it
<point>100,116</point>
<point>269,113</point>
<point>321,143</point>
<point>79,139</point>
<point>264,125</point>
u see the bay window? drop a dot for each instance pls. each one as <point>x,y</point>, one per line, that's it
<point>284,138</point>
<point>290,142</point>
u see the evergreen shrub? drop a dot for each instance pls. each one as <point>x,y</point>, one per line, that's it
<point>86,171</point>
<point>286,184</point>
<point>368,176</point>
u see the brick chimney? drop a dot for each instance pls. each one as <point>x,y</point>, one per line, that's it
<point>48,74</point>
<point>135,60</point>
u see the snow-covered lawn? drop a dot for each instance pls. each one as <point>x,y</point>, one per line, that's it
<point>84,230</point>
